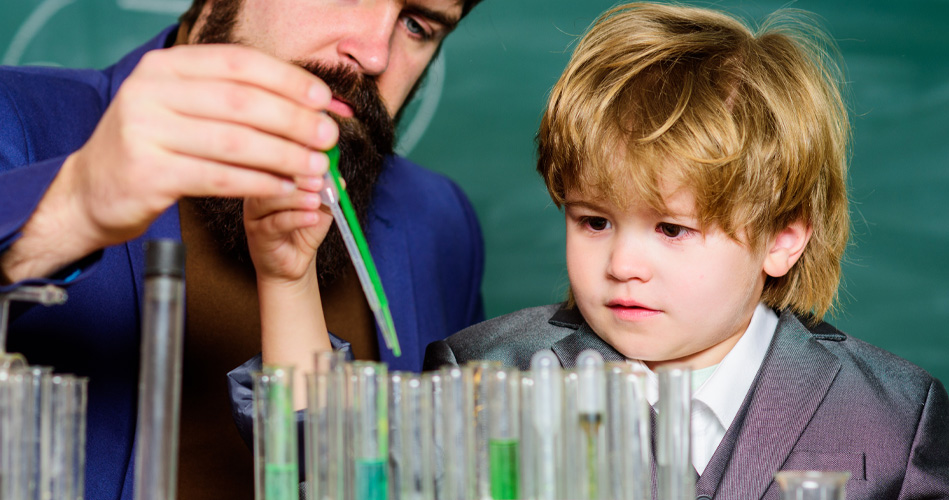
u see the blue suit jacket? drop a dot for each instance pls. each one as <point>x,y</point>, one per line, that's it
<point>422,232</point>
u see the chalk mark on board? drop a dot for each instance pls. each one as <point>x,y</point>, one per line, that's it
<point>28,30</point>
<point>431,94</point>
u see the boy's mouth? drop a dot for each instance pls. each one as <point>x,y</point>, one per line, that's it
<point>630,309</point>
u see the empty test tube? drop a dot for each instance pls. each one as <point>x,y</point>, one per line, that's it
<point>812,485</point>
<point>475,371</point>
<point>159,386</point>
<point>628,433</point>
<point>546,420</point>
<point>417,479</point>
<point>675,474</point>
<point>458,439</point>
<point>324,427</point>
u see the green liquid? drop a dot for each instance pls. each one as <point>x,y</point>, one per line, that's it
<point>505,480</point>
<point>281,482</point>
<point>371,479</point>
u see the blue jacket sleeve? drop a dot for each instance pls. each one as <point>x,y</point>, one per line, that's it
<point>240,386</point>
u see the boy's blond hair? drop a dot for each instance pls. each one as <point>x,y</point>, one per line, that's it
<point>753,124</point>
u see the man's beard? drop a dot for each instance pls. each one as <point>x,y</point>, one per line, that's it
<point>364,142</point>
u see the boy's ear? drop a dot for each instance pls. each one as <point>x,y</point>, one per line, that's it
<point>786,248</point>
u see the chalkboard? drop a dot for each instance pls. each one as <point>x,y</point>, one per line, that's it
<point>476,116</point>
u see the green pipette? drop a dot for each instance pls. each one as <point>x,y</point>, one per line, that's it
<point>334,195</point>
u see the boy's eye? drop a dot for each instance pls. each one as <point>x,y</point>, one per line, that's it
<point>671,230</point>
<point>596,223</point>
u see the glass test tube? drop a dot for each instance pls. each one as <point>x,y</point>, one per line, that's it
<point>323,434</point>
<point>276,467</point>
<point>503,418</point>
<point>369,430</point>
<point>812,485</point>
<point>458,440</point>
<point>15,419</point>
<point>675,474</point>
<point>439,444</point>
<point>396,448</point>
<point>159,386</point>
<point>575,485</point>
<point>417,480</point>
<point>68,437</point>
<point>628,433</point>
<point>527,450</point>
<point>42,429</point>
<point>546,423</point>
<point>476,370</point>
<point>591,407</point>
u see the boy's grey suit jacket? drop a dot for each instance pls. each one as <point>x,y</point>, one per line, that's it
<point>822,400</point>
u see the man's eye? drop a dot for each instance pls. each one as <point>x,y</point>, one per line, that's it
<point>672,230</point>
<point>596,223</point>
<point>416,28</point>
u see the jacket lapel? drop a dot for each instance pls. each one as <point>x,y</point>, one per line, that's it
<point>569,348</point>
<point>393,258</point>
<point>794,378</point>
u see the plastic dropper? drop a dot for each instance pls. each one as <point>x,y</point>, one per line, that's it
<point>334,195</point>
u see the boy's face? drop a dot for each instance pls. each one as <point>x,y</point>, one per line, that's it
<point>654,286</point>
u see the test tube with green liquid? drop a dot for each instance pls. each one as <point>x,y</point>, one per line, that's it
<point>276,466</point>
<point>370,430</point>
<point>503,412</point>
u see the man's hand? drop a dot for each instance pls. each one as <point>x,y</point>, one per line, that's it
<point>203,120</point>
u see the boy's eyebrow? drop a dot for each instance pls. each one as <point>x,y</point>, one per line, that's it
<point>581,204</point>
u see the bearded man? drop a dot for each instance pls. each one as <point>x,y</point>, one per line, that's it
<point>239,101</point>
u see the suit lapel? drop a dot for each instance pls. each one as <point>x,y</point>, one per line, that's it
<point>794,378</point>
<point>390,250</point>
<point>569,348</point>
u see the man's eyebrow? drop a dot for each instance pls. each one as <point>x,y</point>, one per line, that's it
<point>447,20</point>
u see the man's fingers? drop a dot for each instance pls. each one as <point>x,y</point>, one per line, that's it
<point>251,106</point>
<point>238,63</point>
<point>239,145</point>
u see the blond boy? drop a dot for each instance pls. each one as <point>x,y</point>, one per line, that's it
<point>701,167</point>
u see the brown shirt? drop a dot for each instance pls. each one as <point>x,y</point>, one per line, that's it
<point>222,331</point>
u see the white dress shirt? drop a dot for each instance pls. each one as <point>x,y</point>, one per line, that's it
<point>719,390</point>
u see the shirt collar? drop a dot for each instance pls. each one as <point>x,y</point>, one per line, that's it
<point>725,390</point>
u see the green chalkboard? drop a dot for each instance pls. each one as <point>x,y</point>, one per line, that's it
<point>476,117</point>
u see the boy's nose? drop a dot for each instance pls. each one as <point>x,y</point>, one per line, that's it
<point>368,44</point>
<point>629,261</point>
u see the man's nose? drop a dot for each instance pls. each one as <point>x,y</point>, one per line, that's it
<point>629,260</point>
<point>369,42</point>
